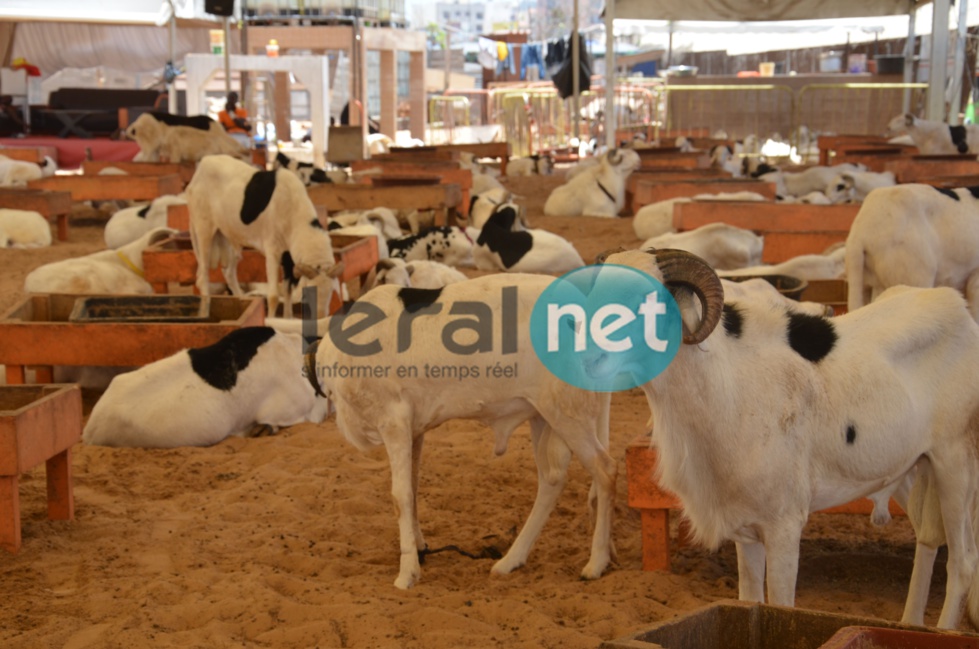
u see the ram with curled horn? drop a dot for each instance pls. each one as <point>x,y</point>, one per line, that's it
<point>780,411</point>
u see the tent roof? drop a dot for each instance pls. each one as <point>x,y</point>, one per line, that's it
<point>749,10</point>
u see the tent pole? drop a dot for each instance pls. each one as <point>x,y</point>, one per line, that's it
<point>955,91</point>
<point>909,60</point>
<point>172,86</point>
<point>227,55</point>
<point>938,63</point>
<point>610,115</point>
<point>575,81</point>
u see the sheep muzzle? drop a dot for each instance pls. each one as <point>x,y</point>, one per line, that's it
<point>682,269</point>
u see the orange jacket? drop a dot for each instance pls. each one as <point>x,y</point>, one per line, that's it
<point>228,122</point>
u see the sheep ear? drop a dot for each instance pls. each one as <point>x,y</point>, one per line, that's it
<point>615,156</point>
<point>335,271</point>
<point>410,268</point>
<point>908,119</point>
<point>849,181</point>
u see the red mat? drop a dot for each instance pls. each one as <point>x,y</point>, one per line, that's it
<point>71,150</point>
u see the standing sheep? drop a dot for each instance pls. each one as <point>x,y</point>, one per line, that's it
<point>936,138</point>
<point>233,205</point>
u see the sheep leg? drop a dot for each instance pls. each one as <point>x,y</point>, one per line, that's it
<point>954,479</point>
<point>553,457</point>
<point>272,282</point>
<point>398,442</point>
<point>924,563</point>
<point>751,571</point>
<point>230,271</point>
<point>782,561</point>
<point>416,463</point>
<point>201,242</point>
<point>924,512</point>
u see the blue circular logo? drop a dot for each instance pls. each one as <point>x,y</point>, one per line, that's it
<point>606,328</point>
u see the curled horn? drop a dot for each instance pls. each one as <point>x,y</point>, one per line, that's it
<point>615,156</point>
<point>309,363</point>
<point>683,269</point>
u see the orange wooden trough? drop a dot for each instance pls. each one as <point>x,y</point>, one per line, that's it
<point>107,188</point>
<point>38,332</point>
<point>183,169</point>
<point>30,153</point>
<point>499,150</point>
<point>790,230</point>
<point>654,504</point>
<point>37,424</point>
<point>54,206</point>
<point>913,169</point>
<point>355,196</point>
<point>652,191</point>
<point>173,260</point>
<point>655,159</point>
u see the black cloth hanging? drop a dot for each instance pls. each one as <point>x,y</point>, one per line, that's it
<point>564,78</point>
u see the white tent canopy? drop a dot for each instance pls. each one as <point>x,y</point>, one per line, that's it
<point>756,10</point>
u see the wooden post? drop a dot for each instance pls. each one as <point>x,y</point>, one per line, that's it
<point>416,96</point>
<point>389,92</point>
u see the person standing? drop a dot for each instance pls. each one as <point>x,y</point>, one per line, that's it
<point>234,119</point>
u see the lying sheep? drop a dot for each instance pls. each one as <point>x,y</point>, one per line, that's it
<point>500,248</point>
<point>416,274</point>
<point>447,244</point>
<point>251,380</point>
<point>23,229</point>
<point>936,138</point>
<point>233,205</point>
<point>481,206</point>
<point>785,413</point>
<point>109,272</point>
<point>804,267</point>
<point>17,173</point>
<point>809,180</point>
<point>129,224</point>
<point>854,187</point>
<point>533,165</point>
<point>657,218</point>
<point>721,245</point>
<point>599,191</point>
<point>388,410</point>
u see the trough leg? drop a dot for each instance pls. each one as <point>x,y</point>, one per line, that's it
<point>44,374</point>
<point>15,375</point>
<point>9,514</point>
<point>61,500</point>
<point>655,539</point>
<point>62,227</point>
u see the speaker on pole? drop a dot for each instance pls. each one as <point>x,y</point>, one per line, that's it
<point>220,7</point>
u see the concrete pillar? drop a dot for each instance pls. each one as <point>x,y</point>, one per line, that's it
<point>416,95</point>
<point>282,107</point>
<point>389,92</point>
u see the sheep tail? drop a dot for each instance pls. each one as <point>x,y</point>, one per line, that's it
<point>854,275</point>
<point>222,252</point>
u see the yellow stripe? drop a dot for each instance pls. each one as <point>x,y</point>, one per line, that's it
<point>129,262</point>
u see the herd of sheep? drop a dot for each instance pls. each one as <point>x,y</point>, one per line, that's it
<point>770,410</point>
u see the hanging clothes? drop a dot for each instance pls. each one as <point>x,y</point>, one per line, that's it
<point>488,54</point>
<point>530,54</point>
<point>564,78</point>
<point>507,58</point>
<point>555,54</point>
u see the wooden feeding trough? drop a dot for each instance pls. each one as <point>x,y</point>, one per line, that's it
<point>423,175</point>
<point>39,331</point>
<point>37,424</point>
<point>173,260</point>
<point>108,188</point>
<point>831,292</point>
<point>54,206</point>
<point>499,150</point>
<point>732,624</point>
<point>913,169</point>
<point>183,169</point>
<point>790,229</point>
<point>442,198</point>
<point>178,217</point>
<point>34,154</point>
<point>653,158</point>
<point>653,191</point>
<point>790,287</point>
<point>654,504</point>
<point>830,144</point>
<point>874,158</point>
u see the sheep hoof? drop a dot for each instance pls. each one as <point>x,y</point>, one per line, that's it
<point>505,567</point>
<point>260,430</point>
<point>404,582</point>
<point>594,570</point>
<point>880,516</point>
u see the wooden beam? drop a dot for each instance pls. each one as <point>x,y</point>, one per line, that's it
<point>106,188</point>
<point>183,169</point>
<point>54,206</point>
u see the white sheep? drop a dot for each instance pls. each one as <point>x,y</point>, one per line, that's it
<point>657,218</point>
<point>808,180</point>
<point>417,274</point>
<point>232,205</point>
<point>533,165</point>
<point>854,187</point>
<point>130,223</point>
<point>250,379</point>
<point>109,272</point>
<point>936,138</point>
<point>447,244</point>
<point>374,405</point>
<point>183,139</point>
<point>483,182</point>
<point>721,245</point>
<point>804,267</point>
<point>500,248</point>
<point>481,206</point>
<point>599,191</point>
<point>309,173</point>
<point>23,229</point>
<point>382,218</point>
<point>17,173</point>
<point>917,235</point>
<point>776,414</point>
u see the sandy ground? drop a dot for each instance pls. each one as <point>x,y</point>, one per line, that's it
<point>291,541</point>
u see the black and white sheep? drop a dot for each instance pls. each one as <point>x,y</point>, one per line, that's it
<point>447,244</point>
<point>500,248</point>
<point>934,138</point>
<point>130,223</point>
